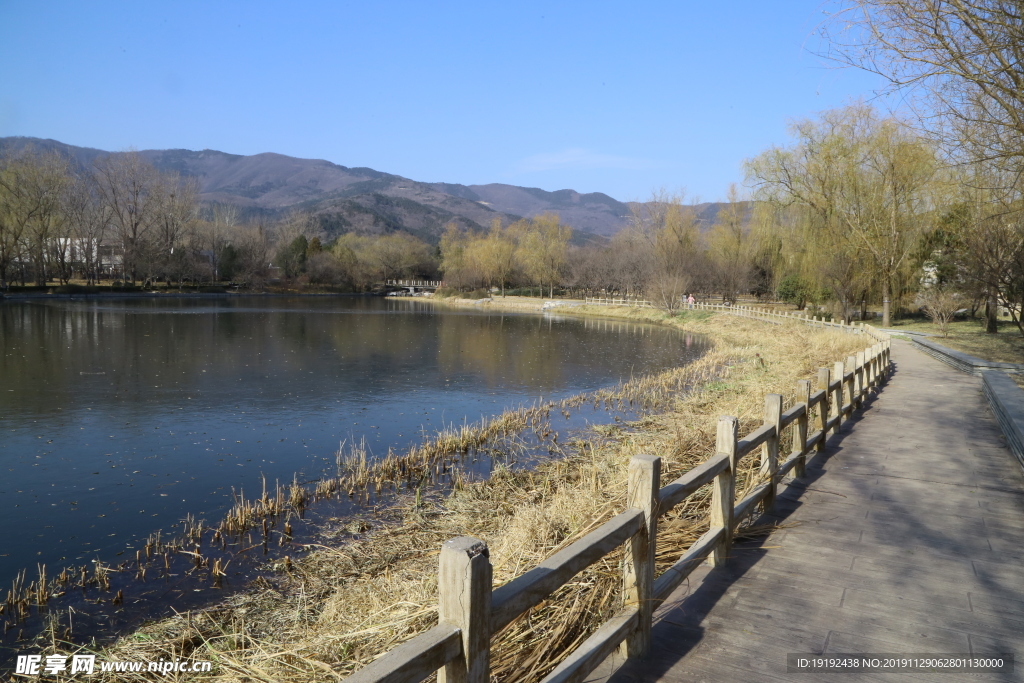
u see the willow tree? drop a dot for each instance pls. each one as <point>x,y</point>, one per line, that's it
<point>664,242</point>
<point>454,262</point>
<point>493,255</point>
<point>866,180</point>
<point>729,247</point>
<point>542,249</point>
<point>959,63</point>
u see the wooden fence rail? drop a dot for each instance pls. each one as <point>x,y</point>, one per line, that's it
<point>414,283</point>
<point>608,301</point>
<point>470,611</point>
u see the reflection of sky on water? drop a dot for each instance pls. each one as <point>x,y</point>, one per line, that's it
<point>120,417</point>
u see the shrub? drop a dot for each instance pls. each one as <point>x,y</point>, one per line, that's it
<point>795,290</point>
<point>940,305</point>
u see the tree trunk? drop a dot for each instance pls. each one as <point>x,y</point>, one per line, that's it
<point>991,313</point>
<point>885,302</point>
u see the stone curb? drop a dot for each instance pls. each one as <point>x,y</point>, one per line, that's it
<point>1007,401</point>
<point>964,362</point>
<point>1004,396</point>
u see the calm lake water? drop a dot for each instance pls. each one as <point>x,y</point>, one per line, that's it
<point>119,417</point>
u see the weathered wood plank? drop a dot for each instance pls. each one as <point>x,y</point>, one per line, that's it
<point>724,493</point>
<point>691,559</point>
<point>751,441</point>
<point>770,448</point>
<point>643,484</point>
<point>824,388</point>
<point>803,396</point>
<point>793,414</point>
<point>464,601</point>
<point>860,386</point>
<point>747,505</point>
<point>819,395</point>
<point>414,659</point>
<point>680,489</point>
<point>849,379</point>
<point>594,650</point>
<point>528,590</point>
<point>785,466</point>
<point>836,404</point>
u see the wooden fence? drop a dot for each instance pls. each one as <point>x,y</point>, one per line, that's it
<point>471,611</point>
<point>414,283</point>
<point>603,301</point>
<point>776,316</point>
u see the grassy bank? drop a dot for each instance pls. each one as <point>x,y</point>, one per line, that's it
<point>969,336</point>
<point>342,604</point>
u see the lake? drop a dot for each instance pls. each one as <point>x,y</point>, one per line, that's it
<point>118,417</point>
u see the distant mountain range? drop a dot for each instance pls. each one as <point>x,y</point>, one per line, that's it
<point>362,199</point>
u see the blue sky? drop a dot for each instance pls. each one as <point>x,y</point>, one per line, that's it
<point>595,96</point>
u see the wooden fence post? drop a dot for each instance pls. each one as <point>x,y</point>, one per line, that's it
<point>724,490</point>
<point>869,355</point>
<point>824,382</point>
<point>803,395</point>
<point>464,600</point>
<point>770,448</point>
<point>873,366</point>
<point>851,368</point>
<point>837,397</point>
<point>862,387</point>
<point>643,483</point>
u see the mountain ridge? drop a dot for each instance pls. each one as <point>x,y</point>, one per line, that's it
<point>346,198</point>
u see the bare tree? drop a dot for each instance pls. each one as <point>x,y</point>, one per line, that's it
<point>127,184</point>
<point>216,234</point>
<point>16,212</point>
<point>175,228</point>
<point>961,57</point>
<point>631,257</point>
<point>669,229</point>
<point>254,245</point>
<point>940,305</point>
<point>89,218</point>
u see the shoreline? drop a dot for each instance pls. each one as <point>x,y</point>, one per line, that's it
<point>340,606</point>
<point>163,295</point>
<point>447,447</point>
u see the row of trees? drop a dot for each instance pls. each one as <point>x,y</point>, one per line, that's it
<point>864,208</point>
<point>526,252</point>
<point>356,261</point>
<point>956,65</point>
<point>122,220</point>
<point>860,208</point>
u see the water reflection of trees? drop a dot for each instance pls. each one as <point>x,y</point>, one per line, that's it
<point>74,354</point>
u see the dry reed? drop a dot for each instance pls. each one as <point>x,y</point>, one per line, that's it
<point>340,606</point>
